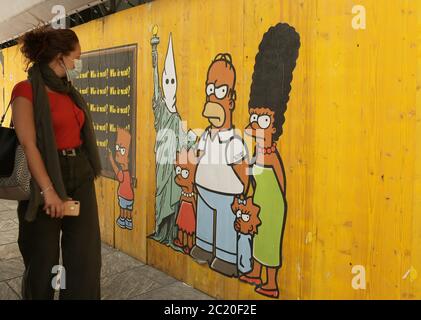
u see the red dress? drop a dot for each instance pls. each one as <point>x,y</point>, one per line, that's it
<point>186,220</point>
<point>66,116</point>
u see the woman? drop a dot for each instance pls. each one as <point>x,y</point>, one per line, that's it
<point>55,129</point>
<point>269,95</point>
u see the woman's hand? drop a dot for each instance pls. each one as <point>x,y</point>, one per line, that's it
<point>54,206</point>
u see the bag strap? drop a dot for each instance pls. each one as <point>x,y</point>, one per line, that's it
<point>4,115</point>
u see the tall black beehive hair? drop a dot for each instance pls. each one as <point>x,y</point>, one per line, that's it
<point>273,68</point>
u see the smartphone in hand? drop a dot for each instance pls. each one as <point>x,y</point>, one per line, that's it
<point>71,208</point>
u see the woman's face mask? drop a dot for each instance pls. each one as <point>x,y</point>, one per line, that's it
<point>75,72</point>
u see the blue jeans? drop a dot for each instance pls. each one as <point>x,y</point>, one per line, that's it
<point>225,235</point>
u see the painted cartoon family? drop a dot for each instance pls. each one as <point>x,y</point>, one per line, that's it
<point>215,200</point>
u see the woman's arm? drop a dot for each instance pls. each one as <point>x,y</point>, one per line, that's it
<point>23,120</point>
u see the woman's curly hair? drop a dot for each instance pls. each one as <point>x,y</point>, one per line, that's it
<point>42,44</point>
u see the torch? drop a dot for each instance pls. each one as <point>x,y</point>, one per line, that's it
<point>154,44</point>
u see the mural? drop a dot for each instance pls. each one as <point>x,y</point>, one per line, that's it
<point>317,167</point>
<point>170,139</point>
<point>125,194</point>
<point>218,204</point>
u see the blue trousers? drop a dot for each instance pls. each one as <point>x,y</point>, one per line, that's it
<point>225,238</point>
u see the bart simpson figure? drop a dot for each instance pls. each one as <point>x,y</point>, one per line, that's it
<point>125,192</point>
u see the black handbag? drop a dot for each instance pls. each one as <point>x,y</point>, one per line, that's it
<point>14,172</point>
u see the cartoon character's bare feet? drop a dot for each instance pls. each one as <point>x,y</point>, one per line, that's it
<point>271,293</point>
<point>178,243</point>
<point>251,280</point>
<point>253,274</point>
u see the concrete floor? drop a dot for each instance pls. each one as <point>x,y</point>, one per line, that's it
<point>123,277</point>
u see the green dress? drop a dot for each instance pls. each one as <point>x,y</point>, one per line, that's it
<point>267,243</point>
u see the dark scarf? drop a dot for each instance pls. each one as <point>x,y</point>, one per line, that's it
<point>40,75</point>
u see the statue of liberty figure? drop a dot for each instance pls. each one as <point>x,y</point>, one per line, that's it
<point>170,138</point>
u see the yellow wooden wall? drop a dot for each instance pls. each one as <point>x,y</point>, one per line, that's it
<point>349,146</point>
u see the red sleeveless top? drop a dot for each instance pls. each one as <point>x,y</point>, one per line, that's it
<point>66,116</point>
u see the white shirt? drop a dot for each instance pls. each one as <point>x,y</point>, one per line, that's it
<point>215,171</point>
